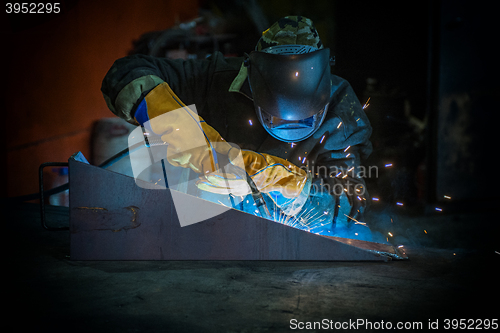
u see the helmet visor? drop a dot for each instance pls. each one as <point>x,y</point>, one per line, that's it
<point>291,130</point>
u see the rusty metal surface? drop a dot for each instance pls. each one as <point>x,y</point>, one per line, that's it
<point>111,218</point>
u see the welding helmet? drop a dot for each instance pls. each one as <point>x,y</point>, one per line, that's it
<point>290,83</point>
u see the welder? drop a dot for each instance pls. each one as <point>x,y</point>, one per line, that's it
<point>298,131</point>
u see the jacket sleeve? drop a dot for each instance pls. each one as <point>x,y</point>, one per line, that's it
<point>130,79</point>
<point>345,148</point>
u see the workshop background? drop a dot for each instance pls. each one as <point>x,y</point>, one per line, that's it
<point>426,73</point>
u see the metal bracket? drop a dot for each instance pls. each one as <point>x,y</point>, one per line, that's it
<point>48,193</point>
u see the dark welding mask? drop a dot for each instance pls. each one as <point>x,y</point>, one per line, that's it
<point>291,88</point>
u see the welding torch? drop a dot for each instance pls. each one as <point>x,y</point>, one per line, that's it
<point>257,196</point>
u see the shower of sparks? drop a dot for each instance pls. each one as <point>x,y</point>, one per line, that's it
<point>366,103</point>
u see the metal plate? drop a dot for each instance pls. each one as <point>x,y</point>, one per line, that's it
<point>112,218</point>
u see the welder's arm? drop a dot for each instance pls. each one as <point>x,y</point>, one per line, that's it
<point>131,78</point>
<point>196,145</point>
<point>345,147</point>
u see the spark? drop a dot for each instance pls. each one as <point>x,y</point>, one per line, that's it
<point>359,198</point>
<point>303,160</point>
<point>250,121</point>
<point>296,74</point>
<point>425,231</point>
<point>339,124</point>
<point>355,221</point>
<point>293,144</point>
<point>322,138</point>
<point>400,246</point>
<point>348,155</point>
<point>399,203</point>
<point>366,103</point>
<point>375,199</point>
<point>389,234</point>
<point>222,204</point>
<point>388,165</point>
<point>347,148</point>
<point>439,209</point>
<point>447,197</point>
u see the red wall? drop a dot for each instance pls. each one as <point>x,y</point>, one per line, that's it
<point>55,66</point>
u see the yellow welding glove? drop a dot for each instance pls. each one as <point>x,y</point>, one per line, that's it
<point>192,143</point>
<point>286,184</point>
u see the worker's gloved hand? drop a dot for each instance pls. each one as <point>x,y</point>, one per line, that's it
<point>287,185</point>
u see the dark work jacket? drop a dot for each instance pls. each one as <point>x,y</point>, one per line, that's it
<point>219,89</point>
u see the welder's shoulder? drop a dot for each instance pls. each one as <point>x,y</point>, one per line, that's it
<point>223,64</point>
<point>340,86</point>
